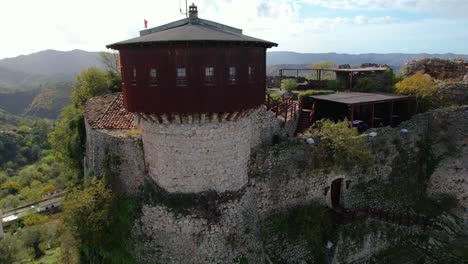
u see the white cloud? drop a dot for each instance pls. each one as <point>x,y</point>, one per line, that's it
<point>447,8</point>
<point>28,26</point>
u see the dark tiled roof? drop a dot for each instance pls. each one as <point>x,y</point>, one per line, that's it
<point>108,112</point>
<point>192,30</point>
<point>351,98</point>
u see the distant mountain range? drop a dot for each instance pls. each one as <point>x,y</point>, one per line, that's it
<point>45,66</point>
<point>52,65</point>
<point>38,84</point>
<point>394,60</point>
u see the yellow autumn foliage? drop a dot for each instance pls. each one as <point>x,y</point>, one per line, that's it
<point>418,84</point>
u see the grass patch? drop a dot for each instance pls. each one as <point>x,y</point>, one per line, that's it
<point>134,132</point>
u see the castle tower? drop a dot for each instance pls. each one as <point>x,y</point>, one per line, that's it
<point>193,85</point>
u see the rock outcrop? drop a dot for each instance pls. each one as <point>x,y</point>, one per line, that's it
<point>438,69</point>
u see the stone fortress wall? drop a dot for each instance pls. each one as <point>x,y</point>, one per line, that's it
<point>112,152</point>
<point>225,228</point>
<point>186,150</point>
<point>227,236</point>
<point>208,153</point>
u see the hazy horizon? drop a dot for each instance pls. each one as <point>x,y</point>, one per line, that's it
<point>268,51</point>
<point>303,26</point>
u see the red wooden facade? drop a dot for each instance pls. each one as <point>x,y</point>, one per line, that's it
<point>164,95</point>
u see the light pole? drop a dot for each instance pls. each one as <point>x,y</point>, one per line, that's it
<point>328,247</point>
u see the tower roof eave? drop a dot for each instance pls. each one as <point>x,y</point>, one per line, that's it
<point>192,30</point>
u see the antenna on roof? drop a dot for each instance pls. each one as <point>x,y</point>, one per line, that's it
<point>186,8</point>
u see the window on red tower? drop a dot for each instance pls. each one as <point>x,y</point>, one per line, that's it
<point>209,75</point>
<point>134,74</point>
<point>250,73</point>
<point>153,76</point>
<point>232,74</point>
<point>181,76</point>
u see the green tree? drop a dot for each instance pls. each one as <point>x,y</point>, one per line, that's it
<point>112,63</point>
<point>11,186</point>
<point>421,86</point>
<point>89,83</point>
<point>418,84</point>
<point>68,139</point>
<point>326,75</point>
<point>288,85</point>
<point>340,147</point>
<point>100,222</point>
<point>110,60</point>
<point>114,81</point>
<point>365,84</point>
<point>10,248</point>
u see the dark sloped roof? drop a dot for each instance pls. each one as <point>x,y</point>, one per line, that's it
<point>192,30</point>
<point>108,112</point>
<point>351,98</point>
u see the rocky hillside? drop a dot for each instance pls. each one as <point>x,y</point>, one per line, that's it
<point>451,77</point>
<point>46,101</point>
<point>439,69</point>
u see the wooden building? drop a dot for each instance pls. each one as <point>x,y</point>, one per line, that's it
<point>346,75</point>
<point>192,66</point>
<point>364,110</point>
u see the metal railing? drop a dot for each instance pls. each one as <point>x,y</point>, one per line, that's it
<point>287,108</point>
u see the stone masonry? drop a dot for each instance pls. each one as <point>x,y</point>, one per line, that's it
<point>245,179</point>
<point>110,153</point>
<point>198,157</point>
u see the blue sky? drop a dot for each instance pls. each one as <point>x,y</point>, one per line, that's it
<point>342,26</point>
<point>376,26</point>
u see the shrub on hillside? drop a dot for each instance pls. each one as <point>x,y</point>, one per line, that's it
<point>289,85</point>
<point>340,147</point>
<point>421,86</point>
<point>100,221</point>
<point>365,85</point>
<point>418,84</point>
<point>274,98</point>
<point>35,219</point>
<point>336,85</point>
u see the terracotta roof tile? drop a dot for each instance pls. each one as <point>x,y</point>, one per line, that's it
<point>108,112</point>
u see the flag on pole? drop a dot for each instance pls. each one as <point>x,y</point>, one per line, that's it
<point>146,23</point>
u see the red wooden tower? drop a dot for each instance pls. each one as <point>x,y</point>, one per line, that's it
<point>192,66</point>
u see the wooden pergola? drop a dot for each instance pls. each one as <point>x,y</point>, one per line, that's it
<point>319,71</point>
<point>394,106</point>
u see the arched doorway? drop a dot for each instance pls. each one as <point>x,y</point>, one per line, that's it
<point>336,192</point>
